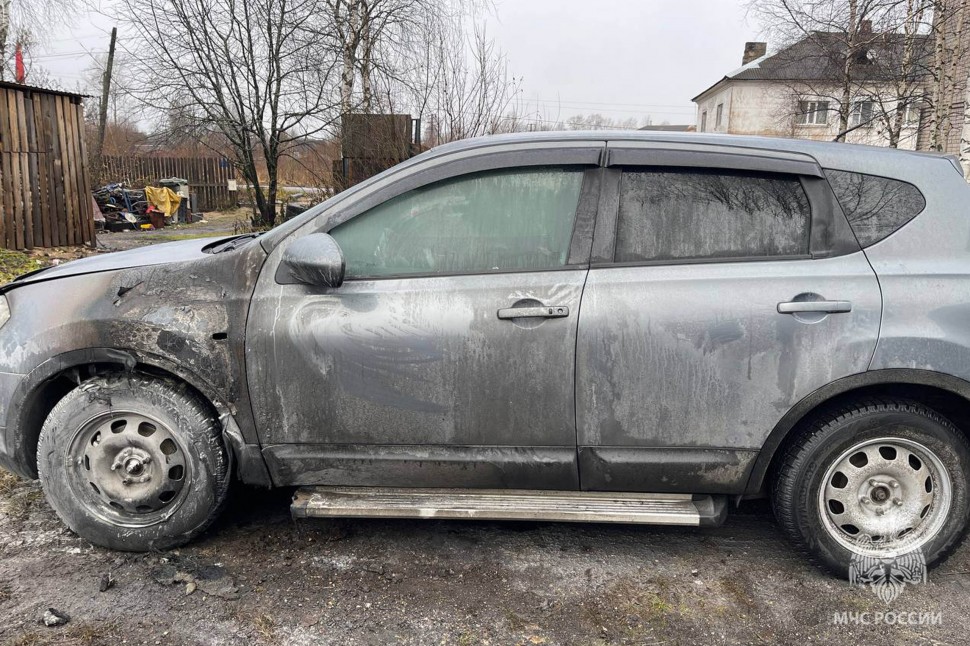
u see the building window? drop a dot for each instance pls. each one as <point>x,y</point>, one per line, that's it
<point>911,114</point>
<point>704,121</point>
<point>812,113</point>
<point>718,115</point>
<point>863,113</point>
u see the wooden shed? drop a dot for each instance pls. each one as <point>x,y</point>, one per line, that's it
<point>45,192</point>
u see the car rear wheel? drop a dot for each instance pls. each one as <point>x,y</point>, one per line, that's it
<point>133,462</point>
<point>878,479</point>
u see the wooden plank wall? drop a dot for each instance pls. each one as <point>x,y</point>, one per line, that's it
<point>45,193</point>
<point>208,176</point>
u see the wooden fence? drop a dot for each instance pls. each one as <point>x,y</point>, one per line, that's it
<point>45,194</point>
<point>208,176</point>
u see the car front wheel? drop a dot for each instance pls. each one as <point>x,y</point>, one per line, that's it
<point>133,462</point>
<point>877,479</point>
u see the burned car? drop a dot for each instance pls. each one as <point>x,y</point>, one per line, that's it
<point>593,327</point>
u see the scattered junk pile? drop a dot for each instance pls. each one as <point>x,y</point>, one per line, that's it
<point>125,208</point>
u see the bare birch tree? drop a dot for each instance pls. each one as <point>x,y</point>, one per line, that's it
<point>251,75</point>
<point>451,76</point>
<point>950,19</point>
<point>965,133</point>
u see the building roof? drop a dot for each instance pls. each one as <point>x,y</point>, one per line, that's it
<point>6,85</point>
<point>819,56</point>
<point>670,128</point>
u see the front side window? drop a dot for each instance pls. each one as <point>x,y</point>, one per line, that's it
<point>505,220</point>
<point>673,214</point>
<point>875,206</point>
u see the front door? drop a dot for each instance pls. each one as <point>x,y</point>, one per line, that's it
<point>447,356</point>
<point>723,298</point>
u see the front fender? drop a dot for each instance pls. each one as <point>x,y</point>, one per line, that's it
<point>20,437</point>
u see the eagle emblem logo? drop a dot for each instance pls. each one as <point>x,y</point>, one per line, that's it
<point>887,577</point>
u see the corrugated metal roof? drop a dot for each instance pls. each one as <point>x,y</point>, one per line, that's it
<point>31,88</point>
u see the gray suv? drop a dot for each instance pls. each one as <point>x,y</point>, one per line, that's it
<point>604,327</point>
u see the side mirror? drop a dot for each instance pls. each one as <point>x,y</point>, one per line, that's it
<point>315,259</point>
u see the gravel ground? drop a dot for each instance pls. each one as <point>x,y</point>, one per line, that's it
<point>257,577</point>
<point>214,224</point>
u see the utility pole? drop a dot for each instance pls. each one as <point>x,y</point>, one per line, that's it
<point>103,111</point>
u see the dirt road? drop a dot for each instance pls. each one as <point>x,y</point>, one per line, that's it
<point>258,577</point>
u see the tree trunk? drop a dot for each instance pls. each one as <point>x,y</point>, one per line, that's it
<point>366,58</point>
<point>350,45</point>
<point>948,54</point>
<point>347,80</point>
<point>895,131</point>
<point>965,133</point>
<point>261,206</point>
<point>845,104</point>
<point>4,35</point>
<point>269,214</point>
<point>939,80</point>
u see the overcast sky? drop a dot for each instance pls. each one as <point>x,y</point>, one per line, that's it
<point>620,58</point>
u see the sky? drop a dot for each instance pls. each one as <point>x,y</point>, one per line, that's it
<point>619,58</point>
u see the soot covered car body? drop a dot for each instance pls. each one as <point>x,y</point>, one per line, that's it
<point>639,314</point>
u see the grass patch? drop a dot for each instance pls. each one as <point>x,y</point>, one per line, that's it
<point>631,610</point>
<point>92,633</point>
<point>8,482</point>
<point>17,496</point>
<point>265,626</point>
<point>14,263</point>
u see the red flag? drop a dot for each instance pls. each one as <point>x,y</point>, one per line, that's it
<point>21,72</point>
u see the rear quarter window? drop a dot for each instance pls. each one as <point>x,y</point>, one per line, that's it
<point>876,207</point>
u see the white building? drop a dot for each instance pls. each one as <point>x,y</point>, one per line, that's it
<point>796,92</point>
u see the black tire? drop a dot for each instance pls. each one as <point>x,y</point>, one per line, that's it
<point>177,445</point>
<point>801,471</point>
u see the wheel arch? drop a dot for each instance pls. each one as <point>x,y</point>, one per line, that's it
<point>948,395</point>
<point>46,384</point>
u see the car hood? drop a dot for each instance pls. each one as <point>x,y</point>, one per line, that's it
<point>169,252</point>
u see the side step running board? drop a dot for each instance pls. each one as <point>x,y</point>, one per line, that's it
<point>494,504</point>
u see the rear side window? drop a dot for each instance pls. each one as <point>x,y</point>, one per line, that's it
<point>875,206</point>
<point>507,220</point>
<point>673,214</point>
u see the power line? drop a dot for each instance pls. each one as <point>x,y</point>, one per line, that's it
<point>682,113</point>
<point>564,122</point>
<point>63,55</point>
<point>641,105</point>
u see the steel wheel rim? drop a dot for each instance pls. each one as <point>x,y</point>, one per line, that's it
<point>128,469</point>
<point>885,497</point>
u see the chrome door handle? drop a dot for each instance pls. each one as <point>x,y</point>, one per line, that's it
<point>546,312</point>
<point>824,307</point>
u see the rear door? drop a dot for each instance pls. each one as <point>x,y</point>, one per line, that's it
<point>725,287</point>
